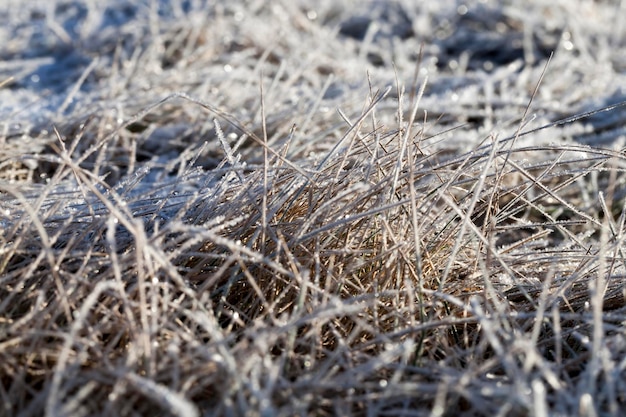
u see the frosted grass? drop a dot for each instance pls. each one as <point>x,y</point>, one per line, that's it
<point>339,208</point>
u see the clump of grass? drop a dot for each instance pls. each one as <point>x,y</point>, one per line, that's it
<point>249,255</point>
<point>379,277</point>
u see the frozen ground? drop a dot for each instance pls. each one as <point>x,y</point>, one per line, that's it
<point>298,207</point>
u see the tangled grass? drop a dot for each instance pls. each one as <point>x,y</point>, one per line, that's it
<point>232,245</point>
